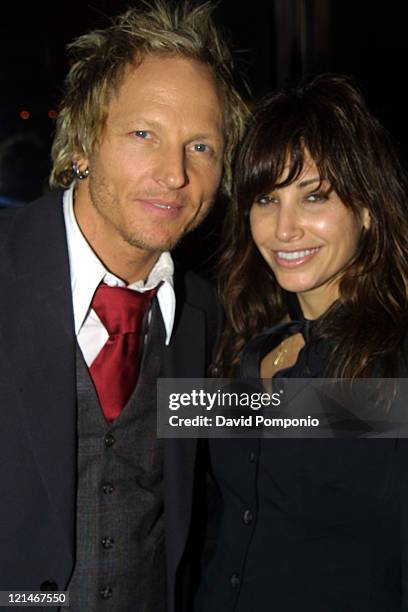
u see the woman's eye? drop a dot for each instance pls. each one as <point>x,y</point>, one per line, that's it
<point>317,197</point>
<point>263,200</point>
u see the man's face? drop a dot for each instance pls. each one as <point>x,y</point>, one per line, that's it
<point>157,164</point>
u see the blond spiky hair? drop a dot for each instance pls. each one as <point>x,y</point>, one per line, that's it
<point>101,57</point>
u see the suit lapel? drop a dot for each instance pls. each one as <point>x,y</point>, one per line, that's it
<point>185,357</point>
<point>38,341</point>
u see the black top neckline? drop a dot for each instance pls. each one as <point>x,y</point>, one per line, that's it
<point>261,345</point>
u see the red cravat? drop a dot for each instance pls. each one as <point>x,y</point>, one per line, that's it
<point>116,368</point>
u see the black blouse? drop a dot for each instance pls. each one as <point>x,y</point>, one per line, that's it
<point>307,524</point>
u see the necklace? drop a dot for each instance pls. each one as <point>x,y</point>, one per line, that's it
<point>282,351</point>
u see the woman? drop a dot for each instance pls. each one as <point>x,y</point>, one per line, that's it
<point>318,234</point>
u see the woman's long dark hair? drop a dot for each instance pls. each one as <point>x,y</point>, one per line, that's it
<point>326,118</point>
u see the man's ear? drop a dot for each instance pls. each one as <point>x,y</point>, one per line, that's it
<point>80,167</point>
<point>82,162</point>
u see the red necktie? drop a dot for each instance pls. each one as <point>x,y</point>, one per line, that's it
<point>116,368</point>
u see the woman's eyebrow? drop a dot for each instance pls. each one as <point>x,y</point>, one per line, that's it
<point>309,181</point>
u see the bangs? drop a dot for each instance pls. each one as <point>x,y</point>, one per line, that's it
<point>290,129</point>
<point>283,140</point>
<point>276,164</point>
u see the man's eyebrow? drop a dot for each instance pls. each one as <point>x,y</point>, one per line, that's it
<point>130,121</point>
<point>206,136</point>
<point>153,124</point>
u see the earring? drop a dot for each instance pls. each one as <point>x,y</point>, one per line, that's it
<point>80,175</point>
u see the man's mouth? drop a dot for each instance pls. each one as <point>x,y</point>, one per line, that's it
<point>168,206</point>
<point>165,207</point>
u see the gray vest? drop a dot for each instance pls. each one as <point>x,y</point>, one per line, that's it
<point>120,552</point>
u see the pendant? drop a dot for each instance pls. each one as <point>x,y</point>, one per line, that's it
<point>281,354</point>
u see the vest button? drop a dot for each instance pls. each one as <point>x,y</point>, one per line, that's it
<point>234,580</point>
<point>109,440</point>
<point>251,457</point>
<point>247,517</point>
<point>108,488</point>
<point>107,542</point>
<point>49,585</point>
<point>106,592</point>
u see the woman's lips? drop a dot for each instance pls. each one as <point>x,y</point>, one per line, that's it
<point>292,259</point>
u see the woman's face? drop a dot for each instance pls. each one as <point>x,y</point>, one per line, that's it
<point>307,236</point>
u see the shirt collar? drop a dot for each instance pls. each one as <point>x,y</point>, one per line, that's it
<point>87,272</point>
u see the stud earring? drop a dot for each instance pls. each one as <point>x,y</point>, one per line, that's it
<point>80,175</point>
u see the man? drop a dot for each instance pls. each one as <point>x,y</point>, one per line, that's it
<point>92,502</point>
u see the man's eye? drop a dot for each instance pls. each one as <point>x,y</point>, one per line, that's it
<point>200,147</point>
<point>141,133</point>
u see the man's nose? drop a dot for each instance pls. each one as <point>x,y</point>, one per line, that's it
<point>170,171</point>
<point>288,224</point>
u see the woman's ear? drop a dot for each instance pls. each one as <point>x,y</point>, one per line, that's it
<point>366,219</point>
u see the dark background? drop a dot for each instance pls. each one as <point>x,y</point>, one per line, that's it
<point>276,41</point>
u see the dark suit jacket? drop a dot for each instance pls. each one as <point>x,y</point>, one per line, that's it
<point>38,402</point>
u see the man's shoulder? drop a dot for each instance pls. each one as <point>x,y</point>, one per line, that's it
<point>48,198</point>
<point>32,237</point>
<point>36,212</point>
<point>6,217</point>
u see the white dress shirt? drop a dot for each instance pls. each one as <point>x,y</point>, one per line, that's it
<point>87,272</point>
